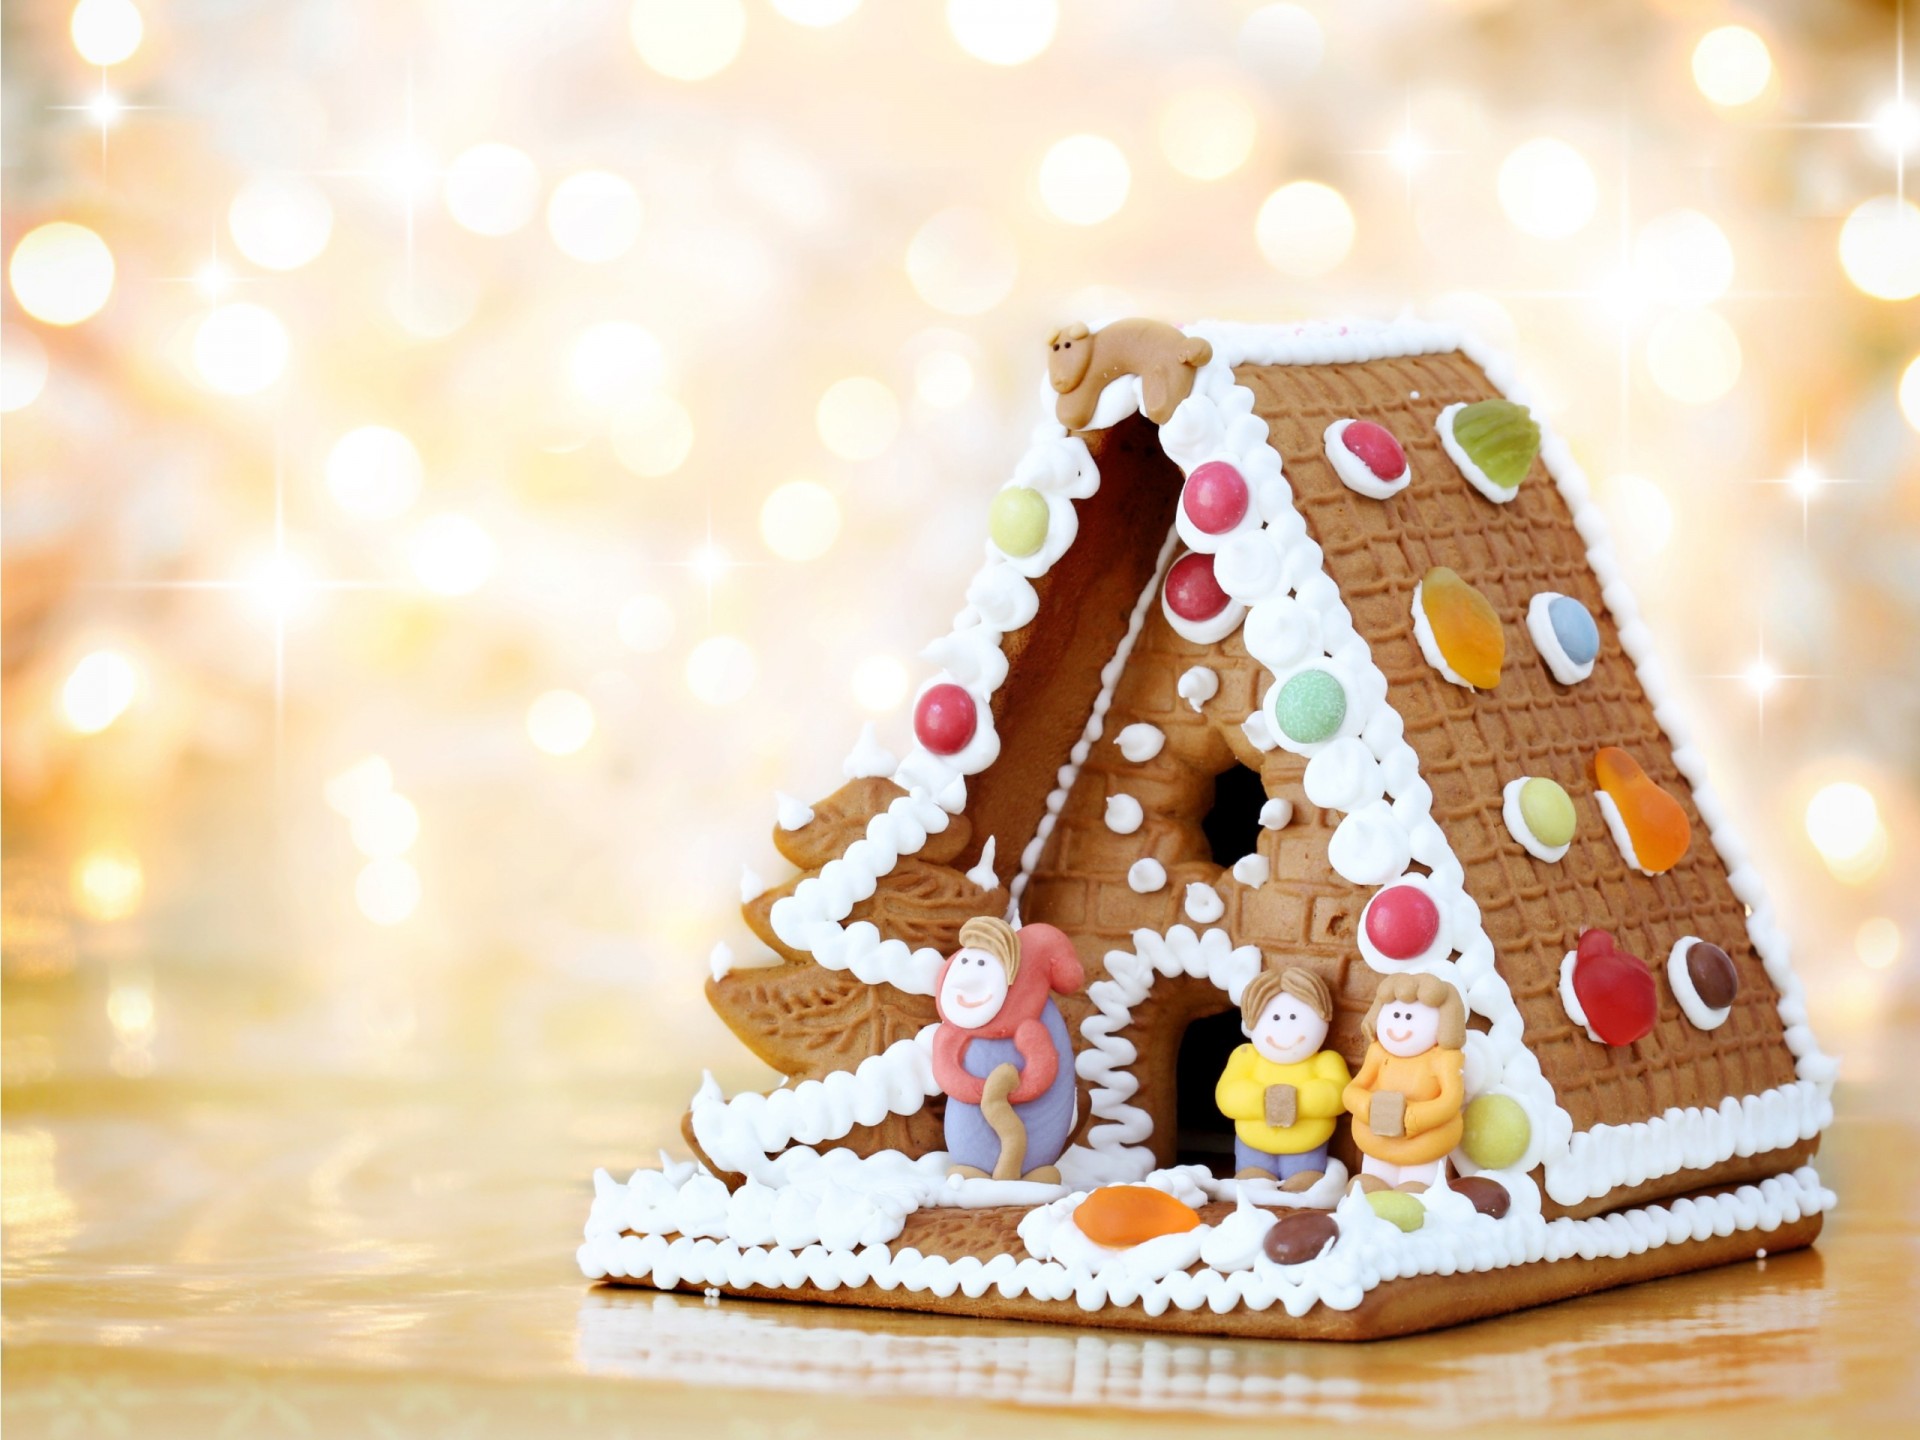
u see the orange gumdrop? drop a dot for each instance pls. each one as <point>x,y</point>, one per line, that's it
<point>1123,1215</point>
<point>1655,822</point>
<point>1465,627</point>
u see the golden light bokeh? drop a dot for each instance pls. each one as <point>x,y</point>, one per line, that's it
<point>1547,188</point>
<point>23,368</point>
<point>1732,65</point>
<point>560,722</point>
<point>492,189</point>
<point>880,683</point>
<point>963,261</point>
<point>387,891</point>
<point>359,786</point>
<point>1305,229</point>
<point>594,215</point>
<point>240,348</point>
<point>108,884</point>
<point>280,222</point>
<point>452,554</point>
<point>1284,43</point>
<point>1878,942</point>
<point>61,273</point>
<point>721,670</point>
<point>98,691</point>
<point>1207,132</point>
<point>1880,247</point>
<point>1694,355</point>
<point>800,520</point>
<point>857,417</point>
<point>1843,823</point>
<point>613,361</point>
<point>646,623</point>
<point>1003,32</point>
<point>652,435</point>
<point>1910,392</point>
<point>1683,258</point>
<point>106,32</point>
<point>373,472</point>
<point>687,39</point>
<point>943,378</point>
<point>1084,179</point>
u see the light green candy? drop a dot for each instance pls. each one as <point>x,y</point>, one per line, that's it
<point>1497,1131</point>
<point>1547,811</point>
<point>1500,437</point>
<point>1398,1209</point>
<point>1310,707</point>
<point>1017,521</point>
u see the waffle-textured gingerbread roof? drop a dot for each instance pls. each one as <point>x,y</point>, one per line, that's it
<point>1149,771</point>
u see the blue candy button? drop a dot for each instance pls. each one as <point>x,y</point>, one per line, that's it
<point>1573,627</point>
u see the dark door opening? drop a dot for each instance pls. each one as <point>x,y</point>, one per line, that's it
<point>1232,826</point>
<point>1204,1135</point>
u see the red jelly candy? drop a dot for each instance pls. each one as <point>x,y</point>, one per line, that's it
<point>1402,921</point>
<point>1376,447</point>
<point>1215,498</point>
<point>1615,989</point>
<point>1192,592</point>
<point>945,719</point>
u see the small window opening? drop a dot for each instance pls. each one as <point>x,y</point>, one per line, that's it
<point>1205,1136</point>
<point>1232,826</point>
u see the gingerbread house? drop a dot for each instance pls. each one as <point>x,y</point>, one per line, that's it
<point>1292,643</point>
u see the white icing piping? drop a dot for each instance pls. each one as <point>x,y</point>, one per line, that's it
<point>1368,1252</point>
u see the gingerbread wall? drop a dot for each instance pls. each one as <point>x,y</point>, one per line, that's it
<point>1469,744</point>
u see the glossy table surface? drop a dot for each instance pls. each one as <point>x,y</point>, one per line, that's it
<point>228,1240</point>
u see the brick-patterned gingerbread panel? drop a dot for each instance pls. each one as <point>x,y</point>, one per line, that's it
<point>1471,744</point>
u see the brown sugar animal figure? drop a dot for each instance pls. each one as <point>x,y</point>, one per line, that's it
<point>1082,363</point>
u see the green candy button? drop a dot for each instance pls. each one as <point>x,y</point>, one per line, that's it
<point>1310,707</point>
<point>1017,521</point>
<point>1547,811</point>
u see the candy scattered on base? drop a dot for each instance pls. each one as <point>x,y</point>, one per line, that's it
<point>1497,1131</point>
<point>1648,824</point>
<point>1608,991</point>
<point>1399,1209</point>
<point>1124,1215</point>
<point>1458,630</point>
<point>1299,1237</point>
<point>1488,1197</point>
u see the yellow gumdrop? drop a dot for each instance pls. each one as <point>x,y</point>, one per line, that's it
<point>1465,627</point>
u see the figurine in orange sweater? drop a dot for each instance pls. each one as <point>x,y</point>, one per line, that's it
<point>1406,1101</point>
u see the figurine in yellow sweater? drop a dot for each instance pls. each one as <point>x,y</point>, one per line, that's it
<point>1408,1097</point>
<point>1281,1090</point>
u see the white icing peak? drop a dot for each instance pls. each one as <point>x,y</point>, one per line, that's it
<point>1124,815</point>
<point>1146,876</point>
<point>982,874</point>
<point>869,759</point>
<point>1140,742</point>
<point>1198,685</point>
<point>791,814</point>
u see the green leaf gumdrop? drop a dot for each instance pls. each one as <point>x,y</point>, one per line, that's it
<point>1500,437</point>
<point>1017,521</point>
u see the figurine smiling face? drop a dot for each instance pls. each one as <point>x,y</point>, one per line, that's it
<point>1287,1031</point>
<point>1407,1028</point>
<point>974,989</point>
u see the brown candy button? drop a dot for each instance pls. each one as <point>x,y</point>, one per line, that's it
<point>1489,1197</point>
<point>1715,980</point>
<point>1298,1237</point>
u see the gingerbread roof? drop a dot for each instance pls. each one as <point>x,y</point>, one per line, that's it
<point>1061,649</point>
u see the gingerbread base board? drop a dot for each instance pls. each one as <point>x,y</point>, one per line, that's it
<point>1396,1307</point>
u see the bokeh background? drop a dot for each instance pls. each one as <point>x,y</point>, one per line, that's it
<point>461,457</point>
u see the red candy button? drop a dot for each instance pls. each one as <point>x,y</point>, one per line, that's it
<point>1402,921</point>
<point>1192,592</point>
<point>1376,447</point>
<point>1216,497</point>
<point>945,719</point>
<point>1615,989</point>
